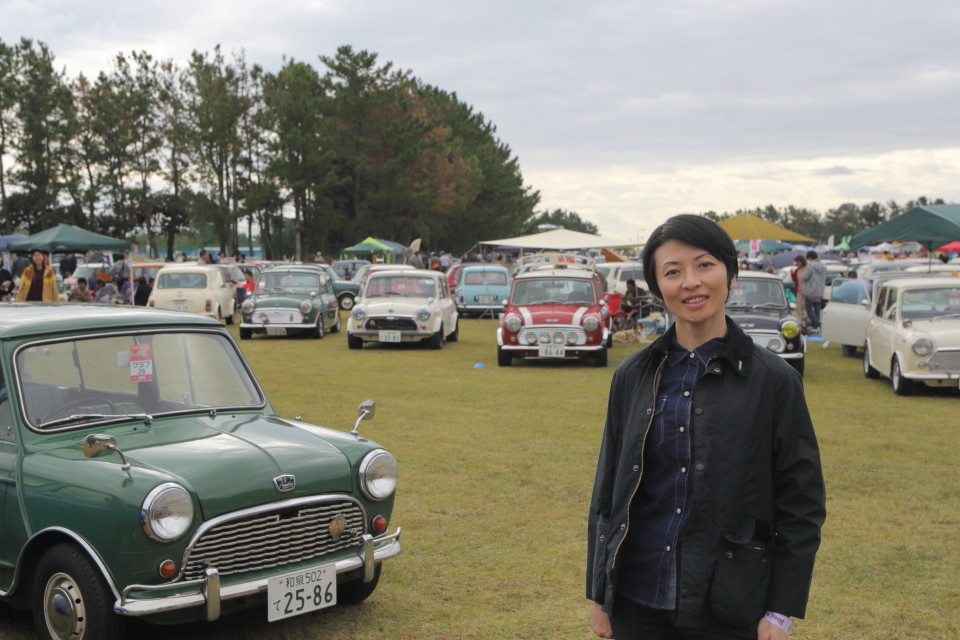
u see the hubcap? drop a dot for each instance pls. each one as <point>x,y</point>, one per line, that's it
<point>896,374</point>
<point>63,607</point>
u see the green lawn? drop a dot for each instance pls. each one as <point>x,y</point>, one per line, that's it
<point>496,467</point>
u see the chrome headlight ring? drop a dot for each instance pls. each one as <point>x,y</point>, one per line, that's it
<point>167,512</point>
<point>790,329</point>
<point>591,324</point>
<point>306,306</point>
<point>248,306</point>
<point>423,314</point>
<point>358,313</point>
<point>922,345</point>
<point>378,475</point>
<point>512,323</point>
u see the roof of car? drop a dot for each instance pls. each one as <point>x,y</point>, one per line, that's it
<point>419,273</point>
<point>188,268</point>
<point>572,273</point>
<point>33,319</point>
<point>759,275</point>
<point>922,283</point>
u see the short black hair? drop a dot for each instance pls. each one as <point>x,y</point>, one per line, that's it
<point>81,280</point>
<point>696,231</point>
<point>811,255</point>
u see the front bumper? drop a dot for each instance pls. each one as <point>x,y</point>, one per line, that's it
<point>144,600</point>
<point>263,326</point>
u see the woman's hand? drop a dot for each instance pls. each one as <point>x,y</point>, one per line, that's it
<point>600,622</point>
<point>766,630</point>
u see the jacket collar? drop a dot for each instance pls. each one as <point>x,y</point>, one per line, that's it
<point>738,352</point>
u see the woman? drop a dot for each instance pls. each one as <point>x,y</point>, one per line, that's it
<point>6,281</point>
<point>708,500</point>
<point>38,282</point>
<point>797,276</point>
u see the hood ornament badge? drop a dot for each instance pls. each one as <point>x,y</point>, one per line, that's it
<point>337,526</point>
<point>285,483</point>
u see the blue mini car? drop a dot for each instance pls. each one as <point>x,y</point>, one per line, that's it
<point>482,288</point>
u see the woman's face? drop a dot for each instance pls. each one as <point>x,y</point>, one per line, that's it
<point>693,283</point>
<point>38,259</point>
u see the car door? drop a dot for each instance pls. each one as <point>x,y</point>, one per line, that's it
<point>844,320</point>
<point>882,329</point>
<point>448,307</point>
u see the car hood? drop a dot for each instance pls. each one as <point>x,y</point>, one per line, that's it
<point>945,332</point>
<point>291,300</point>
<point>229,462</point>
<point>404,306</point>
<point>749,319</point>
<point>554,314</point>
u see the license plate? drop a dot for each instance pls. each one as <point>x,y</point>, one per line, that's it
<point>179,306</point>
<point>389,336</point>
<point>551,351</point>
<point>301,592</point>
<point>276,331</point>
<point>486,299</point>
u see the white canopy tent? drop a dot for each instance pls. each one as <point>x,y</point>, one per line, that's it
<point>556,240</point>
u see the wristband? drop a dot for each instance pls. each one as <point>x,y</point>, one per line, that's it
<point>784,622</point>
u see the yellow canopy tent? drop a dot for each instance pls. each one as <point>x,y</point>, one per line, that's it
<point>747,226</point>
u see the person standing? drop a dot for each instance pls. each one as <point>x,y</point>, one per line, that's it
<point>797,276</point>
<point>6,281</point>
<point>814,282</point>
<point>708,501</point>
<point>68,264</point>
<point>38,282</point>
<point>141,295</point>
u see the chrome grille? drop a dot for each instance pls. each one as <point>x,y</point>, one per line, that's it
<point>280,316</point>
<point>947,360</point>
<point>391,323</point>
<point>274,538</point>
<point>763,338</point>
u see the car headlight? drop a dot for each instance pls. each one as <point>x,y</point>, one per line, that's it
<point>777,345</point>
<point>248,306</point>
<point>531,338</point>
<point>167,512</point>
<point>423,313</point>
<point>513,323</point>
<point>591,324</point>
<point>359,313</point>
<point>378,475</point>
<point>922,346</point>
<point>305,307</point>
<point>790,329</point>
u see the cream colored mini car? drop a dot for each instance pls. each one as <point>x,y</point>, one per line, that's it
<point>195,288</point>
<point>913,334</point>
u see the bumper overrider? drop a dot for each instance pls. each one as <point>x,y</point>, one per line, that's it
<point>143,600</point>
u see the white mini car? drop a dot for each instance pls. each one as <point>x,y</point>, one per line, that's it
<point>913,334</point>
<point>194,288</point>
<point>408,305</point>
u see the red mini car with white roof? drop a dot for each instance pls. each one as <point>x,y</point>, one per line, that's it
<point>554,314</point>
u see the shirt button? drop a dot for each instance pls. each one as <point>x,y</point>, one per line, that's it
<point>686,393</point>
<point>682,428</point>
<point>622,527</point>
<point>698,411</point>
<point>717,370</point>
<point>636,467</point>
<point>691,354</point>
<point>668,547</point>
<point>699,466</point>
<point>683,469</point>
<point>679,510</point>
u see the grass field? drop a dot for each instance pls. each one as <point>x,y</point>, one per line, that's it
<point>496,467</point>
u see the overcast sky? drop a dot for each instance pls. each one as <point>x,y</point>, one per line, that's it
<point>624,111</point>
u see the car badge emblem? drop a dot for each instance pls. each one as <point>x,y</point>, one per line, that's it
<point>747,325</point>
<point>285,483</point>
<point>553,319</point>
<point>337,526</point>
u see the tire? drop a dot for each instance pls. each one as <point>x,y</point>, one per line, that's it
<point>455,334</point>
<point>600,358</point>
<point>848,350</point>
<point>901,386</point>
<point>317,332</point>
<point>868,371</point>
<point>436,340</point>
<point>71,599</point>
<point>354,342</point>
<point>504,359</point>
<point>354,592</point>
<point>245,334</point>
<point>346,301</point>
<point>336,326</point>
<point>798,365</point>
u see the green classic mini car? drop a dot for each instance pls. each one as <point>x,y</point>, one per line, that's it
<point>291,300</point>
<point>145,473</point>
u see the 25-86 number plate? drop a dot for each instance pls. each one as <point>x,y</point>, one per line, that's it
<point>301,592</point>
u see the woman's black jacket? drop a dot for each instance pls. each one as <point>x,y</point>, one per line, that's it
<point>758,502</point>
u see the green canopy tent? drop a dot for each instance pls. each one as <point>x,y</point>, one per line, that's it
<point>931,226</point>
<point>387,250</point>
<point>65,237</point>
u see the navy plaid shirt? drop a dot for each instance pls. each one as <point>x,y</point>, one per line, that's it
<point>658,511</point>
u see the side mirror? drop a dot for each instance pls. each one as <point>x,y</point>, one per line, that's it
<point>367,409</point>
<point>97,445</point>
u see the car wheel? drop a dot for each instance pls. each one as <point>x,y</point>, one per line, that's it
<point>455,334</point>
<point>346,301</point>
<point>798,365</point>
<point>354,342</point>
<point>356,591</point>
<point>504,359</point>
<point>245,334</point>
<point>848,350</point>
<point>336,325</point>
<point>436,340</point>
<point>229,317</point>
<point>317,332</point>
<point>868,371</point>
<point>71,598</point>
<point>901,386</point>
<point>600,358</point>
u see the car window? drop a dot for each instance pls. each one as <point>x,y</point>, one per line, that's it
<point>485,277</point>
<point>754,292</point>
<point>379,286</point>
<point>153,373</point>
<point>850,292</point>
<point>553,291</point>
<point>924,304</point>
<point>631,274</point>
<point>887,303</point>
<point>182,281</point>
<point>285,282</point>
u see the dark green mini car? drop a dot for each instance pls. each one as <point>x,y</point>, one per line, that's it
<point>291,300</point>
<point>145,473</point>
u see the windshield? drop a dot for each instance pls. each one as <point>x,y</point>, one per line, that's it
<point>485,277</point>
<point>182,281</point>
<point>553,291</point>
<point>118,375</point>
<point>405,286</point>
<point>924,304</point>
<point>304,283</point>
<point>748,292</point>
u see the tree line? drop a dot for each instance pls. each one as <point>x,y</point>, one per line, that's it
<point>348,149</point>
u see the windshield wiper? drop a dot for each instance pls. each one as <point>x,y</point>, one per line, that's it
<point>98,416</point>
<point>944,317</point>
<point>768,305</point>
